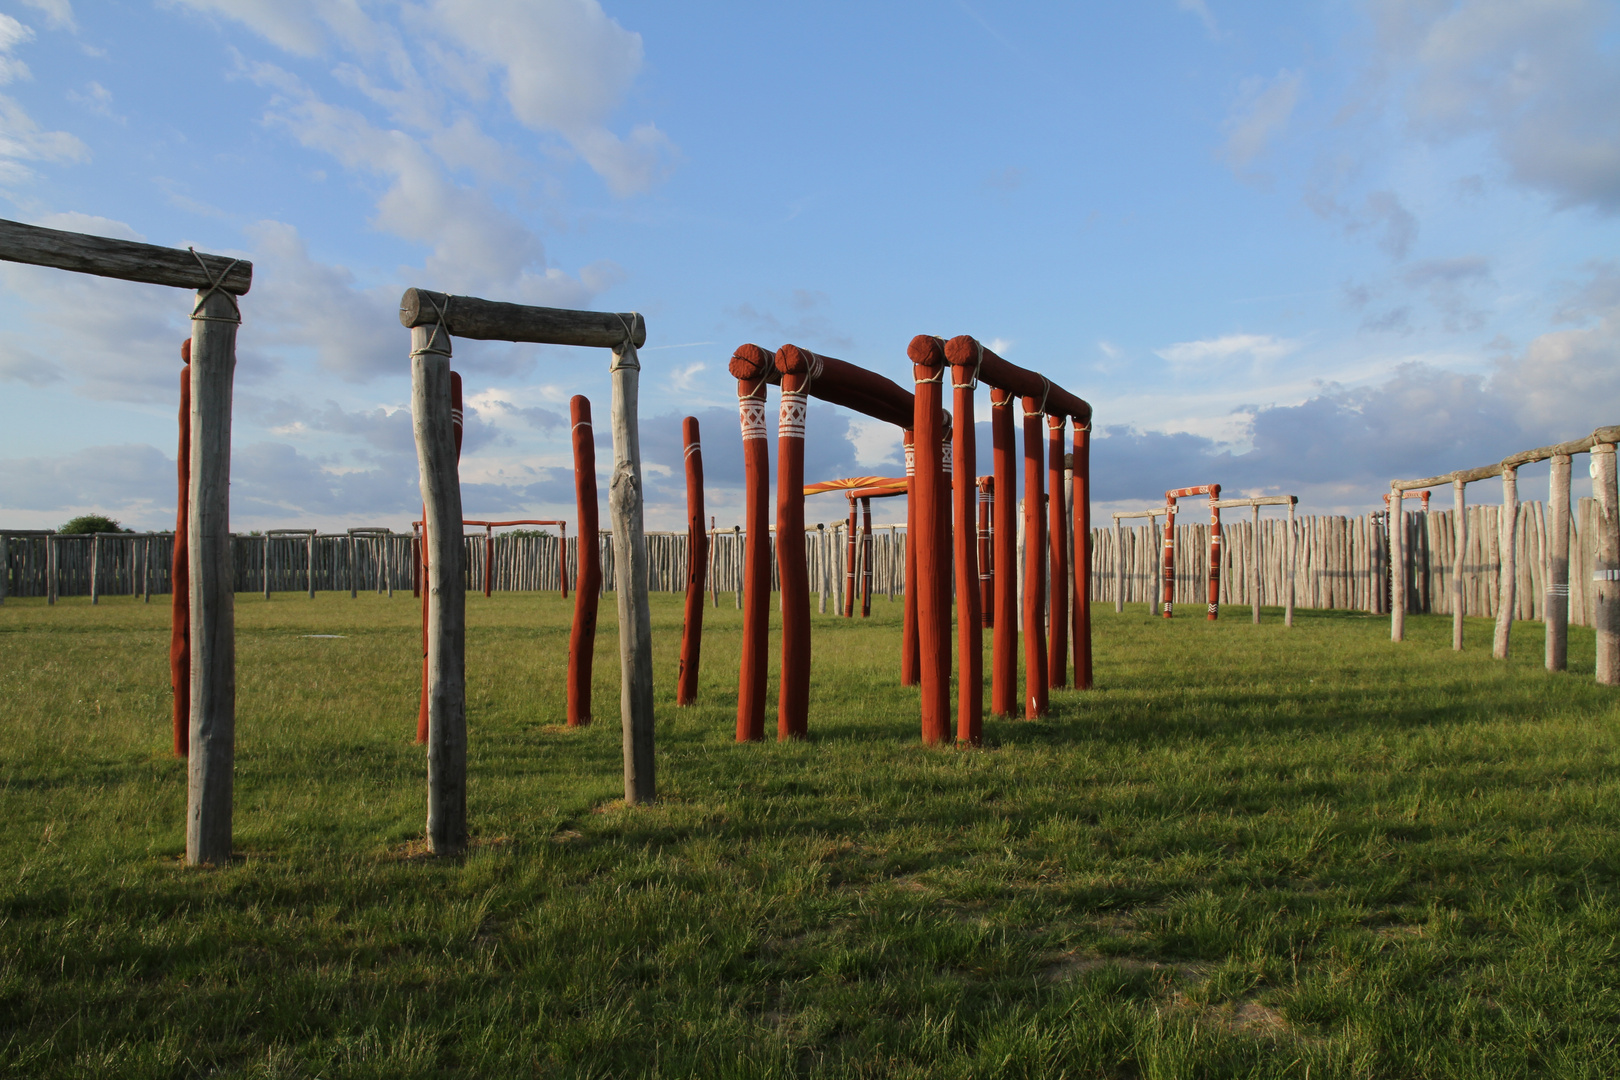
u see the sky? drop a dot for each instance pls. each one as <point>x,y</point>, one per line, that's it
<point>1293,248</point>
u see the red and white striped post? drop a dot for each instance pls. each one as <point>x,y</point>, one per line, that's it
<point>866,558</point>
<point>1215,552</point>
<point>1057,656</point>
<point>910,657</point>
<point>754,369</point>
<point>1035,689</point>
<point>1168,562</point>
<point>965,503</point>
<point>1082,556</point>
<point>588,565</point>
<point>852,532</point>
<point>697,563</point>
<point>927,356</point>
<point>987,576</point>
<point>798,369</point>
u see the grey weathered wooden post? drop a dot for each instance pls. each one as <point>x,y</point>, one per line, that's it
<point>5,565</point>
<point>1459,535</point>
<point>354,587</point>
<point>1292,556</point>
<point>1556,605</point>
<point>267,566</point>
<point>1119,567</point>
<point>736,564</point>
<point>311,571</point>
<point>211,762</point>
<point>630,559</point>
<point>50,569</point>
<point>95,568</point>
<point>1254,565</point>
<point>1507,586</point>
<point>1606,567</point>
<point>1397,564</point>
<point>446,585</point>
<point>146,569</point>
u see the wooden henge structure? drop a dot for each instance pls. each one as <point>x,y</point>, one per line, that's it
<point>434,320</point>
<point>923,417</point>
<point>209,647</point>
<point>1164,600</point>
<point>858,563</point>
<point>1600,447</point>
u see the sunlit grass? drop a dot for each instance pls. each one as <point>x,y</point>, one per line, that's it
<point>1252,852</point>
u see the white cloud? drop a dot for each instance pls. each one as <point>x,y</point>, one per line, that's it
<point>1539,77</point>
<point>22,140</point>
<point>58,13</point>
<point>1259,116</point>
<point>1214,351</point>
<point>96,99</point>
<point>1201,9</point>
<point>301,27</point>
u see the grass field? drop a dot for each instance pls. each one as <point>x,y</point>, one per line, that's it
<point>1251,852</point>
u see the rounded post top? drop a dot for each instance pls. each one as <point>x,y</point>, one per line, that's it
<point>752,362</point>
<point>927,351</point>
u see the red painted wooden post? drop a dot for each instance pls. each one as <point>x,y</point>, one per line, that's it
<point>562,558</point>
<point>866,558</point>
<point>1004,640</point>
<point>1057,656</point>
<point>968,548</point>
<point>697,563</point>
<point>851,546</point>
<point>180,573</point>
<point>416,558</point>
<point>798,368</point>
<point>1082,557</point>
<point>489,560</point>
<point>987,576</point>
<point>1214,552</point>
<point>456,414</point>
<point>754,369</point>
<point>927,355</point>
<point>910,658</point>
<point>588,564</point>
<point>1168,562</point>
<point>1035,701</point>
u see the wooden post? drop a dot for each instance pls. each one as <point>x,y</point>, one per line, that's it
<point>95,568</point>
<point>1119,565</point>
<point>910,657</point>
<point>986,554</point>
<point>422,720</point>
<point>354,585</point>
<point>798,369</point>
<point>1035,689</point>
<point>1215,552</point>
<point>1254,563</point>
<point>697,561</point>
<point>866,558</point>
<point>736,565</point>
<point>630,573</point>
<point>180,571</point>
<point>1168,601</point>
<point>1557,600</point>
<point>310,572</point>
<point>1606,567</point>
<point>588,582</point>
<point>1508,584</point>
<point>51,558</point>
<point>851,539</point>
<point>489,561</point>
<point>1057,526</point>
<point>1083,679</point>
<point>1397,565</point>
<point>446,592</point>
<point>212,742</point>
<point>5,565</point>
<point>1292,557</point>
<point>754,369</point>
<point>1004,638</point>
<point>266,547</point>
<point>970,544</point>
<point>927,356</point>
<point>1459,556</point>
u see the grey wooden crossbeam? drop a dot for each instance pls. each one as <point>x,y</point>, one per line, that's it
<point>126,259</point>
<point>494,320</point>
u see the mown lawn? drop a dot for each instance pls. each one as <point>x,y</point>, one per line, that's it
<point>1251,852</point>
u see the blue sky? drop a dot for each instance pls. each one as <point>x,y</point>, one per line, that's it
<point>1290,248</point>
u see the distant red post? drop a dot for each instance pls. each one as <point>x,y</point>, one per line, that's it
<point>1169,559</point>
<point>968,550</point>
<point>851,534</point>
<point>933,626</point>
<point>798,368</point>
<point>456,414</point>
<point>489,560</point>
<point>562,558</point>
<point>697,564</point>
<point>180,572</point>
<point>1082,556</point>
<point>910,662</point>
<point>1057,656</point>
<point>588,569</point>
<point>1035,702</point>
<point>754,369</point>
<point>987,575</point>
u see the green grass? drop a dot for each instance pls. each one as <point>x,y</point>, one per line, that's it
<point>1252,852</point>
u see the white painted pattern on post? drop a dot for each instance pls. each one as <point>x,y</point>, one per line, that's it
<point>791,417</point>
<point>752,414</point>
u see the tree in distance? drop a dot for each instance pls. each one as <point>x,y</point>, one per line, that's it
<point>91,523</point>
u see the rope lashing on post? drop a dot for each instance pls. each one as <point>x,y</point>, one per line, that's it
<point>215,285</point>
<point>440,326</point>
<point>619,354</point>
<point>973,381</point>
